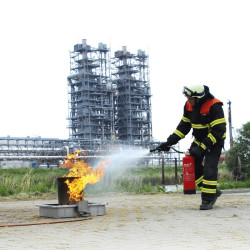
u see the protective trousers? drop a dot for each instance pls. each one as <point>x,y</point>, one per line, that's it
<point>206,175</point>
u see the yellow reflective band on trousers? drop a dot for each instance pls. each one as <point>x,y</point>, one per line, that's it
<point>213,183</point>
<point>198,181</point>
<point>218,121</point>
<point>181,135</point>
<point>208,190</point>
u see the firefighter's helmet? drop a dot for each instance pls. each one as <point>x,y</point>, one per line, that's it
<point>197,90</point>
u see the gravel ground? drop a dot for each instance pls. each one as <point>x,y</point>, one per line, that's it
<point>152,221</point>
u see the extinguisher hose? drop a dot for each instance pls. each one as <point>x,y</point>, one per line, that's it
<point>181,152</point>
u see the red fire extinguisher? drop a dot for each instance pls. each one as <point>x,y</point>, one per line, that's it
<point>188,172</point>
<point>188,175</point>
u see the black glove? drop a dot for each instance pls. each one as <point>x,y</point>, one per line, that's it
<point>197,152</point>
<point>164,147</point>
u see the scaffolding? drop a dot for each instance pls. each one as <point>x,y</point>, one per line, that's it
<point>105,109</point>
<point>91,109</point>
<point>133,120</point>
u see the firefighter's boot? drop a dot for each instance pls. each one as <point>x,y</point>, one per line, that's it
<point>217,195</point>
<point>208,204</point>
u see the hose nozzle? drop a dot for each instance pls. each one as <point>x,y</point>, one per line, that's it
<point>153,150</point>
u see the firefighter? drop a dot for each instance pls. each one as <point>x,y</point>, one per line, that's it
<point>204,114</point>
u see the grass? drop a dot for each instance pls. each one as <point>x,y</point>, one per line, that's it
<point>36,182</point>
<point>28,181</point>
<point>149,180</point>
<point>234,185</point>
<point>135,180</point>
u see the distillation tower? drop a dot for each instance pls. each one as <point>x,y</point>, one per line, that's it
<point>133,120</point>
<point>91,109</point>
<point>105,109</point>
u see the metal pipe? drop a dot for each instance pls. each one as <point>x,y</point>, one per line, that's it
<point>16,157</point>
<point>162,169</point>
<point>175,165</point>
<point>230,124</point>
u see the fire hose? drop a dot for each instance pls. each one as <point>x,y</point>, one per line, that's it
<point>46,223</point>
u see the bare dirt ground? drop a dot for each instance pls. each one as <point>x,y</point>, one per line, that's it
<point>156,221</point>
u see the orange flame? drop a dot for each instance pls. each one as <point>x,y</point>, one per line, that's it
<point>85,173</point>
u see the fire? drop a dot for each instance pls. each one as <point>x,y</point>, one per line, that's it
<point>85,173</point>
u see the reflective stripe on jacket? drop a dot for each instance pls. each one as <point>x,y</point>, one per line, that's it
<point>206,120</point>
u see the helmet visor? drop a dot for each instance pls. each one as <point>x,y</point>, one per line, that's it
<point>189,93</point>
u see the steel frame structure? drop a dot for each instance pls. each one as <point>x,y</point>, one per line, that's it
<point>103,109</point>
<point>91,115</point>
<point>133,120</point>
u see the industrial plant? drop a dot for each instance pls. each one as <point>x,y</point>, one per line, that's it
<point>109,107</point>
<point>109,97</point>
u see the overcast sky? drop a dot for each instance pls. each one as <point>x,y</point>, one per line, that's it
<point>188,41</point>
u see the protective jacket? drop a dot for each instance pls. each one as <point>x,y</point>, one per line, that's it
<point>207,120</point>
